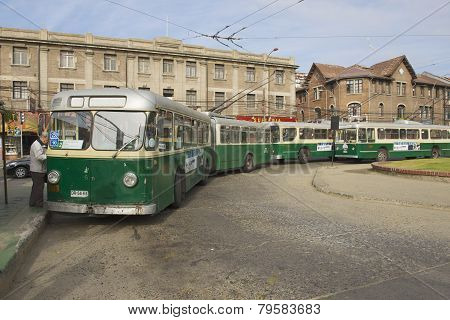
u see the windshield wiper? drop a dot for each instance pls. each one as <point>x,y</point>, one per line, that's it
<point>126,145</point>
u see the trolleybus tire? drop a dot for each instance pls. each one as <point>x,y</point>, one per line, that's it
<point>178,190</point>
<point>304,155</point>
<point>435,153</point>
<point>248,163</point>
<point>382,155</point>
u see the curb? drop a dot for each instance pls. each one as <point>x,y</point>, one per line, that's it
<point>380,167</point>
<point>23,246</point>
<point>325,189</point>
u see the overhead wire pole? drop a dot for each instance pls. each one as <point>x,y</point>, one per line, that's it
<point>5,184</point>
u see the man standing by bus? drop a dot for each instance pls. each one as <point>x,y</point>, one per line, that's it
<point>38,168</point>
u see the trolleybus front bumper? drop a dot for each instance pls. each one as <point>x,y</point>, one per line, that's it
<point>148,209</point>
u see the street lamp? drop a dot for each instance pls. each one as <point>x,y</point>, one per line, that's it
<point>266,108</point>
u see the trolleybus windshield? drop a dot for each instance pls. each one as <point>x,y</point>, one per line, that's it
<point>70,130</point>
<point>117,130</point>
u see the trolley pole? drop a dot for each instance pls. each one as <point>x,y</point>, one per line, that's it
<point>5,184</point>
<point>334,127</point>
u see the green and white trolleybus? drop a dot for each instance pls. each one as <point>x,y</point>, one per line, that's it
<point>302,141</point>
<point>401,139</point>
<point>239,144</point>
<point>121,151</point>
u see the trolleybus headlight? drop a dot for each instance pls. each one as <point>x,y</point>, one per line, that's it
<point>53,177</point>
<point>130,179</point>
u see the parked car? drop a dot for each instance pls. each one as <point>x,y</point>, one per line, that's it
<point>19,168</point>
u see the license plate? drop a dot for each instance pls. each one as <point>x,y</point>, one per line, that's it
<point>79,194</point>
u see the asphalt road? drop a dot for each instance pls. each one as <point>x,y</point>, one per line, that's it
<point>264,235</point>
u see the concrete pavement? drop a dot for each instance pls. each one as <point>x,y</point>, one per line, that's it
<point>264,235</point>
<point>360,181</point>
<point>19,227</point>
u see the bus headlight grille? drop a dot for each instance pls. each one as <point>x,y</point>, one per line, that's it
<point>53,177</point>
<point>130,179</point>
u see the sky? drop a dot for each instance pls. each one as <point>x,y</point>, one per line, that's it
<point>313,29</point>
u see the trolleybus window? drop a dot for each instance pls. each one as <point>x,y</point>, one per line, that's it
<point>178,132</point>
<point>362,136</point>
<point>201,133</point>
<point>225,134</point>
<point>235,135</point>
<point>412,134</point>
<point>306,133</point>
<point>320,133</point>
<point>165,130</point>
<point>438,134</point>
<point>244,135</point>
<point>267,136</point>
<point>252,135</point>
<point>289,134</point>
<point>424,133</point>
<point>381,134</point>
<point>403,134</point>
<point>350,135</point>
<point>392,133</point>
<point>194,132</point>
<point>70,130</point>
<point>370,135</point>
<point>187,130</point>
<point>114,130</point>
<point>151,140</point>
<point>275,134</point>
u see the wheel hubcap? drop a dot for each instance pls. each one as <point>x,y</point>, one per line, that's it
<point>20,173</point>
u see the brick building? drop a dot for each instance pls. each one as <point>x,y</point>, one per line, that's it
<point>35,64</point>
<point>386,91</point>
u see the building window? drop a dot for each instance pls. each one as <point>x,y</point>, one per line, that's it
<point>318,113</point>
<point>354,86</point>
<point>447,113</point>
<point>422,91</point>
<point>20,56</point>
<point>437,93</point>
<point>251,74</point>
<point>381,110</point>
<point>429,92</point>
<point>143,65</point>
<point>279,76</point>
<point>167,66</point>
<point>354,110</point>
<point>219,98</point>
<point>302,115</point>
<point>426,112</point>
<point>383,89</point>
<point>219,71</point>
<point>168,93</point>
<point>191,98</point>
<point>414,91</point>
<point>191,69</point>
<point>401,88</point>
<point>67,59</point>
<point>20,90</point>
<point>388,88</point>
<point>401,112</point>
<point>251,98</point>
<point>279,102</point>
<point>66,86</point>
<point>110,61</point>
<point>317,93</point>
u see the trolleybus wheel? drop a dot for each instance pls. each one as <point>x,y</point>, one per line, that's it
<point>382,155</point>
<point>303,155</point>
<point>435,153</point>
<point>179,191</point>
<point>248,164</point>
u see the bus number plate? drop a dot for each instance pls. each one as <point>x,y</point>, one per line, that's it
<point>79,194</point>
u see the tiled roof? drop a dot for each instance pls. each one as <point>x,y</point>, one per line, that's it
<point>432,80</point>
<point>357,71</point>
<point>388,67</point>
<point>329,70</point>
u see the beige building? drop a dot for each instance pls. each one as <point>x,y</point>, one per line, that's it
<point>36,64</point>
<point>386,91</point>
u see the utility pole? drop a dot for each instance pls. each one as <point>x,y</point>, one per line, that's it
<point>267,109</point>
<point>2,110</point>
